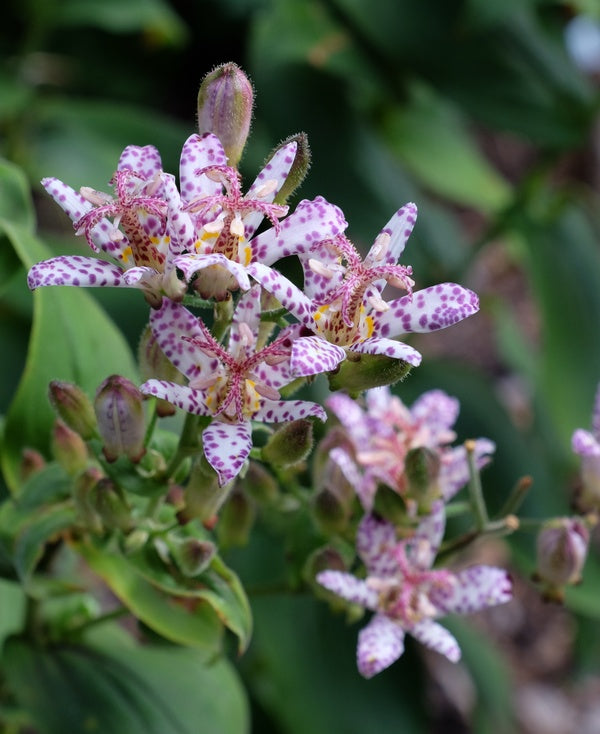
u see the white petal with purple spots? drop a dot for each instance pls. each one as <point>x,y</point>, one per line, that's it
<point>380,644</point>
<point>226,447</point>
<point>75,270</point>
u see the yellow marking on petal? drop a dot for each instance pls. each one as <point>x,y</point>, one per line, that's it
<point>252,401</point>
<point>127,253</point>
<point>247,255</point>
<point>369,323</point>
<point>206,235</point>
<point>154,240</point>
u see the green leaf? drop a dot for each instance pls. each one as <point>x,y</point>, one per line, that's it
<point>15,201</point>
<point>12,609</point>
<point>72,340</point>
<point>116,686</point>
<point>429,137</point>
<point>218,586</point>
<point>179,619</point>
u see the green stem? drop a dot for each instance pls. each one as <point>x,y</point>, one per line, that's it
<point>454,509</point>
<point>188,444</point>
<point>101,619</point>
<point>475,491</point>
<point>516,497</point>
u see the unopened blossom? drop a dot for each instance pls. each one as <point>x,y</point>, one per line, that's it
<point>218,219</point>
<point>238,383</point>
<point>407,595</point>
<point>129,226</point>
<point>587,445</point>
<point>382,434</point>
<point>562,546</point>
<point>343,300</point>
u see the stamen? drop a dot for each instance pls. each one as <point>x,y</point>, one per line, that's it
<point>237,226</point>
<point>267,391</point>
<point>380,247</point>
<point>268,187</point>
<point>246,335</point>
<point>378,303</point>
<point>98,198</point>
<point>317,267</point>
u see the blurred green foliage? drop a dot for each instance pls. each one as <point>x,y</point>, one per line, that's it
<point>471,108</point>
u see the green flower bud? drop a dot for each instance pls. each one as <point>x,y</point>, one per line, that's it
<point>259,484</point>
<point>390,505</point>
<point>84,501</point>
<point>360,372</point>
<point>236,520</point>
<point>110,505</point>
<point>290,444</point>
<point>299,167</point>
<point>191,555</point>
<point>422,468</point>
<point>155,364</point>
<point>74,407</point>
<point>31,463</point>
<point>203,495</point>
<point>120,415</point>
<point>225,103</point>
<point>68,448</point>
<point>330,512</point>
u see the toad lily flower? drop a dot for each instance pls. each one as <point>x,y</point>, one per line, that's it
<point>224,221</point>
<point>130,227</point>
<point>407,595</point>
<point>382,435</point>
<point>342,298</point>
<point>239,384</point>
<point>587,445</point>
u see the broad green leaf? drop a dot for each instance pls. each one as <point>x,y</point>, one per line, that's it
<point>15,200</point>
<point>218,586</point>
<point>12,609</point>
<point>42,526</point>
<point>71,340</point>
<point>429,137</point>
<point>116,686</point>
<point>182,620</point>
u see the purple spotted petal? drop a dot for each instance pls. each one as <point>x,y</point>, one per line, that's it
<point>380,644</point>
<point>349,587</point>
<point>291,297</point>
<point>375,542</point>
<point>351,416</point>
<point>364,485</point>
<point>454,470</point>
<point>311,222</point>
<point>182,396</point>
<point>199,151</point>
<point>75,270</point>
<point>145,161</point>
<point>388,348</point>
<point>427,310</point>
<point>431,528</point>
<point>226,447</point>
<point>399,228</point>
<point>69,200</point>
<point>584,443</point>
<point>435,637</point>
<point>312,355</point>
<point>596,415</point>
<point>190,264</point>
<point>438,411</point>
<point>277,169</point>
<point>247,312</point>
<point>475,588</point>
<point>170,323</point>
<point>281,411</point>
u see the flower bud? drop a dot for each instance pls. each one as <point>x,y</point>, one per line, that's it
<point>390,505</point>
<point>422,468</point>
<point>259,484</point>
<point>203,495</point>
<point>110,505</point>
<point>135,540</point>
<point>322,559</point>
<point>225,104</point>
<point>68,448</point>
<point>299,167</point>
<point>360,372</point>
<point>74,407</point>
<point>120,415</point>
<point>83,500</point>
<point>236,520</point>
<point>290,444</point>
<point>31,463</point>
<point>155,364</point>
<point>330,512</point>
<point>192,555</point>
<point>561,551</point>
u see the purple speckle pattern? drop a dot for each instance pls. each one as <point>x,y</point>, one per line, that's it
<point>74,270</point>
<point>226,447</point>
<point>380,644</point>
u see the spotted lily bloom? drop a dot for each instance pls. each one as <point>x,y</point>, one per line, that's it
<point>222,221</point>
<point>587,445</point>
<point>130,227</point>
<point>342,298</point>
<point>237,384</point>
<point>381,435</point>
<point>407,594</point>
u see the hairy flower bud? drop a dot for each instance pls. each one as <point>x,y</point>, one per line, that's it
<point>236,520</point>
<point>155,364</point>
<point>192,555</point>
<point>299,167</point>
<point>74,407</point>
<point>330,512</point>
<point>289,444</point>
<point>68,448</point>
<point>363,371</point>
<point>422,468</point>
<point>108,502</point>
<point>120,415</point>
<point>225,104</point>
<point>562,545</point>
<point>260,484</point>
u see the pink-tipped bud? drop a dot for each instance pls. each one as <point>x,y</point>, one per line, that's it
<point>225,103</point>
<point>31,463</point>
<point>74,407</point>
<point>192,555</point>
<point>68,448</point>
<point>120,413</point>
<point>562,545</point>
